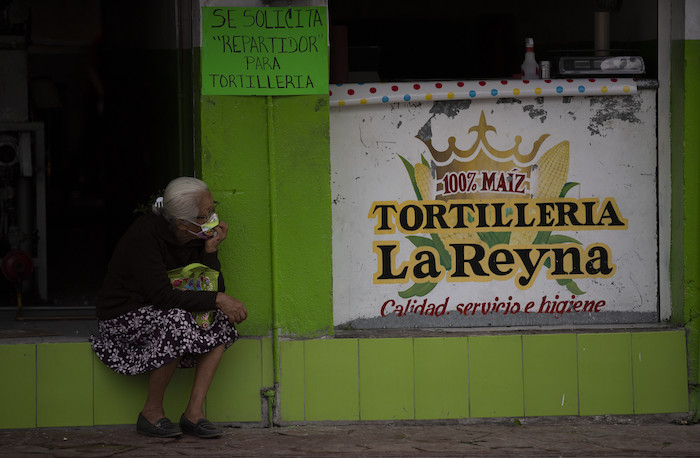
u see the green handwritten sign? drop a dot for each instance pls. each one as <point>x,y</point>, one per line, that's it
<point>264,51</point>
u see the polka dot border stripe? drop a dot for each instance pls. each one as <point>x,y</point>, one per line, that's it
<point>378,93</point>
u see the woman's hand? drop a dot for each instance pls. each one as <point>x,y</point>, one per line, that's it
<point>232,308</point>
<point>212,245</point>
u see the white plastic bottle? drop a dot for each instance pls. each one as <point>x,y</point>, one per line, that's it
<point>529,70</point>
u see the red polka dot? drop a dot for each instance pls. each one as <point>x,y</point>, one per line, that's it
<point>547,81</point>
<point>460,84</point>
<point>438,85</point>
<point>351,91</point>
<point>330,93</point>
<point>634,79</point>
<point>394,88</point>
<point>504,82</point>
<point>592,80</point>
<point>569,80</point>
<point>482,83</point>
<point>526,81</point>
<point>373,90</point>
<point>416,86</point>
<point>614,80</point>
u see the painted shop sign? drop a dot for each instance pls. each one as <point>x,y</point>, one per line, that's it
<point>264,51</point>
<point>490,211</point>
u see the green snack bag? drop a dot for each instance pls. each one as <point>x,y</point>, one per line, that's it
<point>196,277</point>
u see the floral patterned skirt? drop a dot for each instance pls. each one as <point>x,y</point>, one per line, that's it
<point>145,339</point>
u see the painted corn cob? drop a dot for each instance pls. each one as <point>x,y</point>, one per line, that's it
<point>552,172</point>
<point>424,181</point>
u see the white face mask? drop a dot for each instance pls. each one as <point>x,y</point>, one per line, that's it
<point>207,231</point>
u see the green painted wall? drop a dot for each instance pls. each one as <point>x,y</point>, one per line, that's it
<point>685,272</point>
<point>691,174</point>
<point>301,214</point>
<point>267,161</point>
<point>426,378</point>
<point>235,165</point>
<point>365,379</point>
<point>65,384</point>
<point>677,204</point>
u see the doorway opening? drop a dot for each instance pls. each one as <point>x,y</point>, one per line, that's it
<point>107,86</point>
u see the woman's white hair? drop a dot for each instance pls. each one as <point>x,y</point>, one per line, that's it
<point>181,199</point>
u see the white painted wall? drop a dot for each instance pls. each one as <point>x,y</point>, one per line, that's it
<point>612,154</point>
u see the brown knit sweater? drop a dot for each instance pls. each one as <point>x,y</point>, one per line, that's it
<point>137,273</point>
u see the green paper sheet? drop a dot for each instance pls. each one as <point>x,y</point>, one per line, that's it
<point>264,51</point>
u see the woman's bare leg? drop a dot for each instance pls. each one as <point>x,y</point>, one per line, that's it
<point>204,374</point>
<point>157,383</point>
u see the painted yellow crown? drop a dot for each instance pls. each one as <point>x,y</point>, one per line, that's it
<point>468,170</point>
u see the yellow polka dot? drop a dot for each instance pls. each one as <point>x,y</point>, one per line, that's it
<point>604,89</point>
<point>538,91</point>
<point>428,96</point>
<point>363,101</point>
<point>516,91</point>
<point>626,88</point>
<point>341,103</point>
<point>450,95</point>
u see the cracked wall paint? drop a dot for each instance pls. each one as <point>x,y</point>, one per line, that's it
<point>606,110</point>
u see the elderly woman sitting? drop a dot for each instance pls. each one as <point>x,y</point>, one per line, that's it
<point>149,322</point>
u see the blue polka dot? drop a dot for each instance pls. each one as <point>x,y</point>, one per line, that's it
<point>472,93</point>
<point>361,84</point>
<point>385,99</point>
<point>338,84</point>
<point>494,92</point>
<point>407,97</point>
<point>581,89</point>
<point>560,89</point>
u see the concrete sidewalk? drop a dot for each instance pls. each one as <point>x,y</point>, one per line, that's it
<point>580,438</point>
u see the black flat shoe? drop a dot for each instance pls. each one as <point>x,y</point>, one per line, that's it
<point>203,428</point>
<point>161,428</point>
